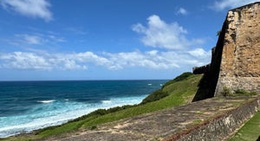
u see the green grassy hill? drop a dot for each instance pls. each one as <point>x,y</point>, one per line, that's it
<point>178,91</point>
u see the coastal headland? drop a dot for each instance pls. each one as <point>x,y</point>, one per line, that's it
<point>212,106</point>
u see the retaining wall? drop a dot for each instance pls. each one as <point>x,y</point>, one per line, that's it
<point>221,127</point>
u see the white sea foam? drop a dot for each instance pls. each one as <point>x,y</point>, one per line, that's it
<point>46,101</point>
<point>59,112</point>
<point>106,101</point>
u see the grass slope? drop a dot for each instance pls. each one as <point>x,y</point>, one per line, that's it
<point>179,91</point>
<point>250,131</point>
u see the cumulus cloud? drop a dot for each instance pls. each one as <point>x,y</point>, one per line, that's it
<point>153,59</point>
<point>199,53</point>
<point>24,60</point>
<point>163,35</point>
<point>223,4</point>
<point>30,8</point>
<point>182,11</point>
<point>159,34</point>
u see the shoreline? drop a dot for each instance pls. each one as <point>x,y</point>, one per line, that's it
<point>64,121</point>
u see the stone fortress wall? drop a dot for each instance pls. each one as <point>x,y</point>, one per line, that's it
<point>235,62</point>
<point>240,63</point>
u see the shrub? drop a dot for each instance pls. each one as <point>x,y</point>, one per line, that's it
<point>101,112</point>
<point>244,92</point>
<point>93,127</point>
<point>241,91</point>
<point>253,93</point>
<point>226,91</point>
<point>159,94</point>
<point>181,77</point>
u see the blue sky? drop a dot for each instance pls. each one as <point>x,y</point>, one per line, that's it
<point>112,39</point>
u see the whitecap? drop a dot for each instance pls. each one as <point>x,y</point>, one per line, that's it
<point>46,101</point>
<point>57,113</point>
<point>106,101</point>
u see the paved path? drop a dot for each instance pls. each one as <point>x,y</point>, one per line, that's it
<point>157,125</point>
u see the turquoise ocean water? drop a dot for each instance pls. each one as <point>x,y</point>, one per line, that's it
<point>31,105</point>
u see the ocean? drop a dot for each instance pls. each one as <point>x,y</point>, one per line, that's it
<point>30,105</point>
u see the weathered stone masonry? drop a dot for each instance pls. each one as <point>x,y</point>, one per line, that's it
<point>235,60</point>
<point>224,126</point>
<point>240,63</point>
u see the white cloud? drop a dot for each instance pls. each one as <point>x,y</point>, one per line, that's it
<point>56,39</point>
<point>113,61</point>
<point>199,52</point>
<point>24,60</point>
<point>182,11</point>
<point>34,39</point>
<point>223,4</point>
<point>159,60</point>
<point>30,39</point>
<point>30,8</point>
<point>170,36</point>
<point>163,35</point>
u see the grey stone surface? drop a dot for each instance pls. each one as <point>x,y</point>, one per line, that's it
<point>211,119</point>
